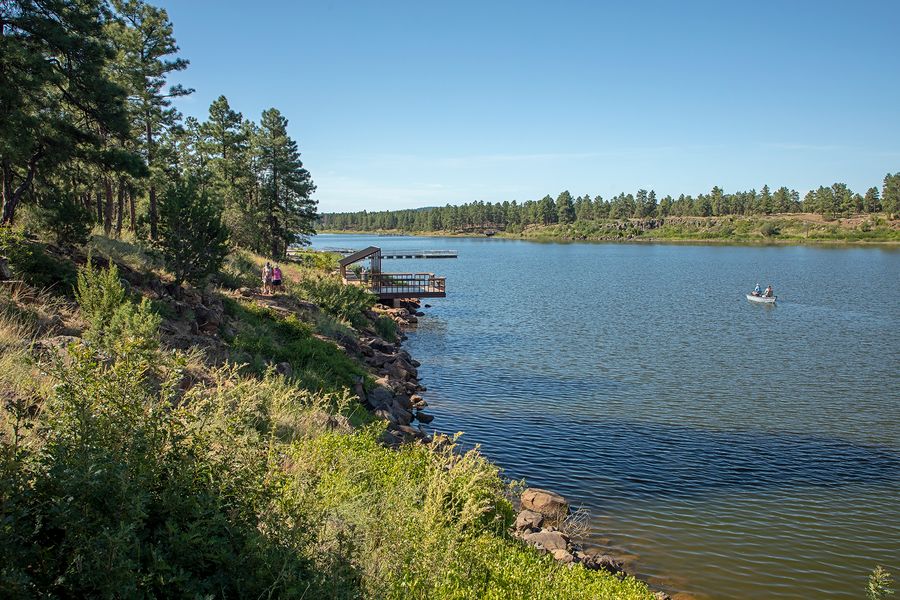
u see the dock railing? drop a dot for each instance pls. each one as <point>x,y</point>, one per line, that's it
<point>403,283</point>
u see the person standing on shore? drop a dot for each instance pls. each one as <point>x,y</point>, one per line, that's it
<point>267,279</point>
<point>276,279</point>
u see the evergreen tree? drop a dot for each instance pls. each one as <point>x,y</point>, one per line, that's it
<point>286,187</point>
<point>765,201</point>
<point>890,194</point>
<point>57,100</point>
<point>565,209</point>
<point>192,238</point>
<point>146,45</point>
<point>872,200</point>
<point>546,210</point>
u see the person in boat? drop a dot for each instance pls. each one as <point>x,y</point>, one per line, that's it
<point>769,292</point>
<point>757,291</point>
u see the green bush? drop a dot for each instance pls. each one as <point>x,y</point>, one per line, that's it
<point>386,328</point>
<point>430,523</point>
<point>133,493</point>
<point>192,237</point>
<point>263,337</point>
<point>769,229</point>
<point>30,262</point>
<point>115,323</point>
<point>346,302</point>
<point>68,220</point>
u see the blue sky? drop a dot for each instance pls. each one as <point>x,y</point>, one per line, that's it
<point>406,104</point>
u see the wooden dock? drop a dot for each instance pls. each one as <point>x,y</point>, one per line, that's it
<point>393,286</point>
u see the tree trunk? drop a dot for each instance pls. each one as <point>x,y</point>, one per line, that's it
<point>11,197</point>
<point>99,198</point>
<point>133,225</point>
<point>153,212</point>
<point>120,208</point>
<point>109,205</point>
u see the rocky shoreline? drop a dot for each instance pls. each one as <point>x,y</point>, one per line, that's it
<point>544,520</point>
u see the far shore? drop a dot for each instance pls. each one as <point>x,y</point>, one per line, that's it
<point>779,229</point>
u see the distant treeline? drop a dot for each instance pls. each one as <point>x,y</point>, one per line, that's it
<point>833,201</point>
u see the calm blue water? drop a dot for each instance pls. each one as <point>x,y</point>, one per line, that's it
<point>725,449</point>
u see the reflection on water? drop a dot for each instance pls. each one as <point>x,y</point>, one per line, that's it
<point>732,449</point>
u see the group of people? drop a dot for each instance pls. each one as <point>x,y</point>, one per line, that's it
<point>765,294</point>
<point>271,278</point>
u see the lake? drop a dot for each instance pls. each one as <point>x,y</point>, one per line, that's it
<point>726,449</point>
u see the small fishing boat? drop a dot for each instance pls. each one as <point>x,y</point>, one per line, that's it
<point>761,299</point>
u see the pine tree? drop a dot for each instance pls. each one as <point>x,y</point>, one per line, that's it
<point>145,42</point>
<point>565,209</point>
<point>872,200</point>
<point>192,238</point>
<point>286,187</point>
<point>56,97</point>
<point>890,194</point>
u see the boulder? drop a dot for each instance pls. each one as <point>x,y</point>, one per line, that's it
<point>548,540</point>
<point>5,272</point>
<point>550,504</point>
<point>387,415</point>
<point>380,397</point>
<point>529,519</point>
<point>284,368</point>
<point>563,556</point>
<point>378,359</point>
<point>382,346</point>
<point>401,415</point>
<point>397,371</point>
<point>404,401</point>
<point>603,562</point>
<point>390,438</point>
<point>359,389</point>
<point>424,417</point>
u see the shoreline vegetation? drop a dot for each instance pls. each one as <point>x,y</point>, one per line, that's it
<point>789,228</point>
<point>827,214</point>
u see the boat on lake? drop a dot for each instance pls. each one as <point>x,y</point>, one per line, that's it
<point>761,299</point>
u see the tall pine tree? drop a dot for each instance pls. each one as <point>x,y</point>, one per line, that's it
<point>286,187</point>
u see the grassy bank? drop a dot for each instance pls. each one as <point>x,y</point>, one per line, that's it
<point>799,228</point>
<point>182,442</point>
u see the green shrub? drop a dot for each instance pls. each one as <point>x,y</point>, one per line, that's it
<point>346,302</point>
<point>30,262</point>
<point>263,337</point>
<point>769,229</point>
<point>135,494</point>
<point>321,261</point>
<point>239,271</point>
<point>192,237</point>
<point>386,328</point>
<point>68,220</point>
<point>115,323</point>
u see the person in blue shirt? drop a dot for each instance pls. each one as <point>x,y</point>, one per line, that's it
<point>757,290</point>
